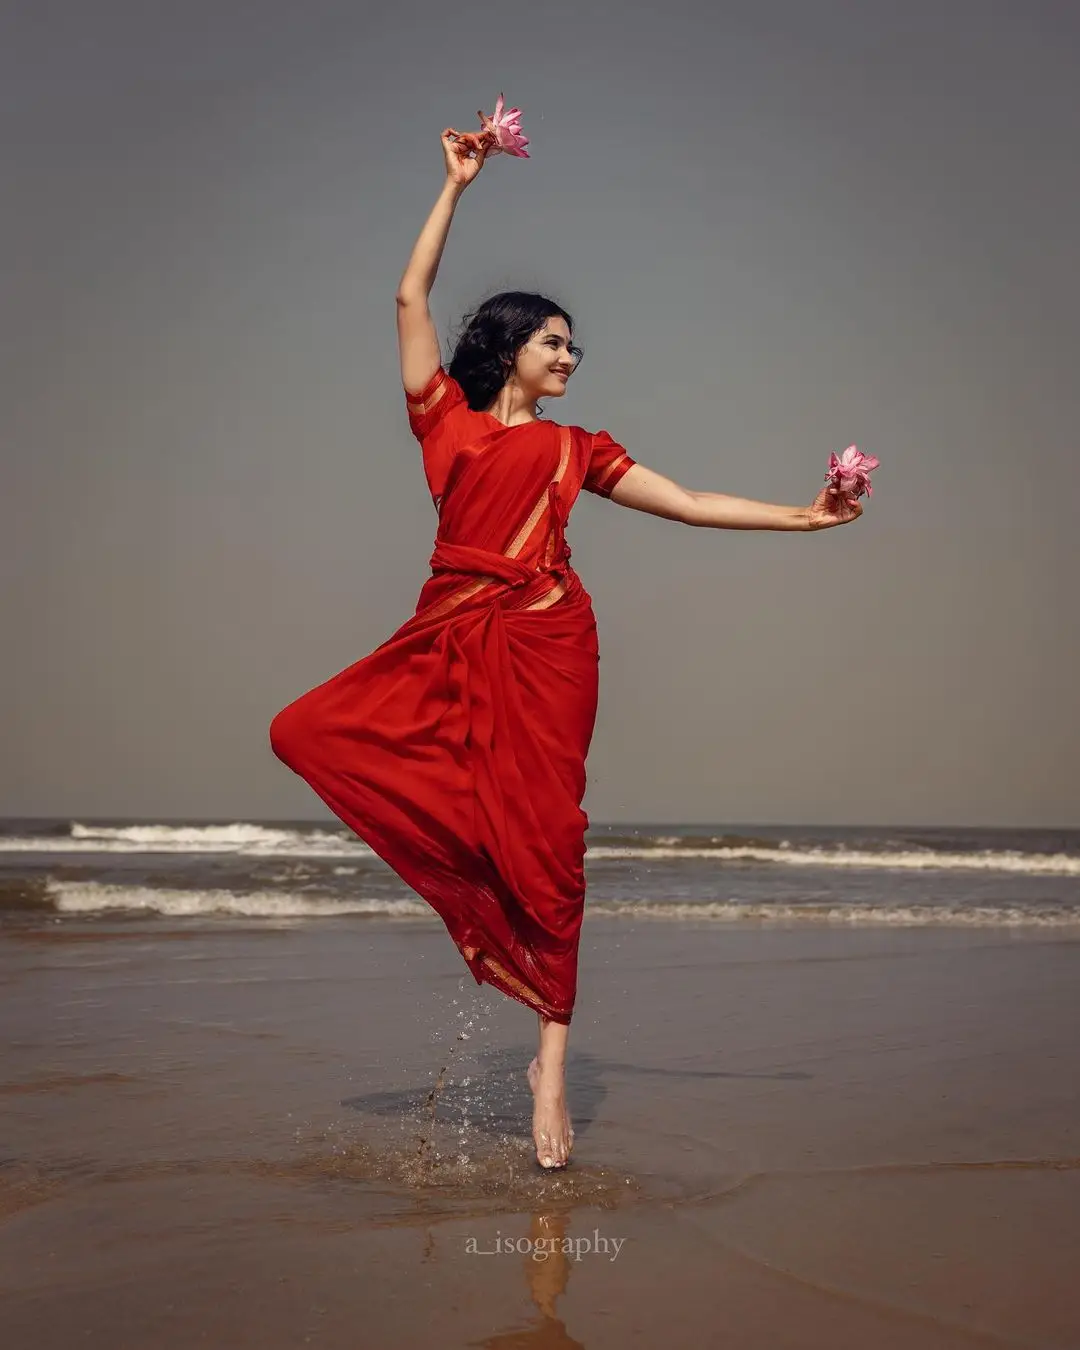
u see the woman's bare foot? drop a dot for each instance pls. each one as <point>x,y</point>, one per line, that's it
<point>553,1134</point>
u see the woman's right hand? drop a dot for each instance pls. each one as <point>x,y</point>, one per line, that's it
<point>457,146</point>
<point>832,507</point>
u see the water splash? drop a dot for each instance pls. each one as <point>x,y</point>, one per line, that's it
<point>469,1020</point>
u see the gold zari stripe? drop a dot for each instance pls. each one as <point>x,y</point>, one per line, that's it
<point>457,598</point>
<point>556,593</point>
<point>470,954</point>
<point>600,482</point>
<point>419,406</point>
<point>538,510</point>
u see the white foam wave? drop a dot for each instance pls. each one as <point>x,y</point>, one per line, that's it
<point>262,841</point>
<point>252,841</point>
<point>91,897</point>
<point>99,898</point>
<point>896,916</point>
<point>990,860</point>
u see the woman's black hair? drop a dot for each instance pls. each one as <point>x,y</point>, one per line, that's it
<point>490,339</point>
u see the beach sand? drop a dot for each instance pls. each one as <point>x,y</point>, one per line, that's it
<point>219,1133</point>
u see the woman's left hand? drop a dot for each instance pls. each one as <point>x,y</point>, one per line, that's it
<point>832,506</point>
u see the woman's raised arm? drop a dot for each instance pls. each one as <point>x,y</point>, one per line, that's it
<point>418,342</point>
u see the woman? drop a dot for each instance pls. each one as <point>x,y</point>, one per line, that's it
<point>457,749</point>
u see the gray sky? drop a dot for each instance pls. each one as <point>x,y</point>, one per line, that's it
<point>781,227</point>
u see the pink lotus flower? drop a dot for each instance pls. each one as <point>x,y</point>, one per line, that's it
<point>850,472</point>
<point>505,130</point>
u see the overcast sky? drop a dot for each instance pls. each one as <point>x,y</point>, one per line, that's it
<point>781,227</point>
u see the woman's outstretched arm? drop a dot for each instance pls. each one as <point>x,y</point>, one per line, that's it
<point>418,342</point>
<point>643,489</point>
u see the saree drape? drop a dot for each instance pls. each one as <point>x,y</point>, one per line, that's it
<point>456,750</point>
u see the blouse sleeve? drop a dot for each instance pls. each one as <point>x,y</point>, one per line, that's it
<point>608,461</point>
<point>427,408</point>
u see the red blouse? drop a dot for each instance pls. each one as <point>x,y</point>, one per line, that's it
<point>447,429</point>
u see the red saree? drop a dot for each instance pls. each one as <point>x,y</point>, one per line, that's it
<point>456,750</point>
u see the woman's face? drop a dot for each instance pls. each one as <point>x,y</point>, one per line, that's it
<point>547,360</point>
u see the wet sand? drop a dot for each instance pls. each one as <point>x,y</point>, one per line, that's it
<point>786,1137</point>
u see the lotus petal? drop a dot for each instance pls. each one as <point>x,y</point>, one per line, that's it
<point>504,129</point>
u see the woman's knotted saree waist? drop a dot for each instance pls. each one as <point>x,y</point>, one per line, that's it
<point>466,560</point>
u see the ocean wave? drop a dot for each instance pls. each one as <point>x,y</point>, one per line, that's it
<point>90,898</point>
<point>252,841</point>
<point>263,841</point>
<point>897,916</point>
<point>989,860</point>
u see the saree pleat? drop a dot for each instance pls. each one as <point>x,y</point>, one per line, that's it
<point>456,750</point>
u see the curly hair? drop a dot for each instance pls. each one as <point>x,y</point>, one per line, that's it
<point>490,339</point>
